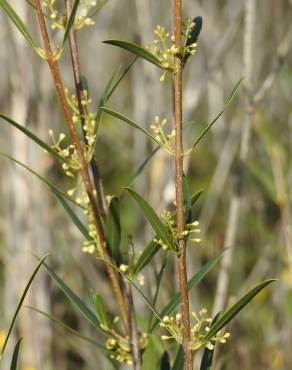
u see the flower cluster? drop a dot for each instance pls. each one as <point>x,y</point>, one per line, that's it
<point>193,231</point>
<point>198,332</point>
<point>59,19</point>
<point>161,137</point>
<point>189,48</point>
<point>164,49</point>
<point>120,349</point>
<point>71,163</point>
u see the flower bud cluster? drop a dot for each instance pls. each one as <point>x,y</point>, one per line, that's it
<point>59,19</point>
<point>193,232</point>
<point>189,49</point>
<point>119,348</point>
<point>161,137</point>
<point>164,49</point>
<point>198,331</point>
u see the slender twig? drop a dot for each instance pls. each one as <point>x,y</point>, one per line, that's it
<point>83,165</point>
<point>182,269</point>
<point>83,111</point>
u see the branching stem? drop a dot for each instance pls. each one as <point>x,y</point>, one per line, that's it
<point>182,270</point>
<point>84,169</point>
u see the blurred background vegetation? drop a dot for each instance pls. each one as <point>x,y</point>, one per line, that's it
<point>243,165</point>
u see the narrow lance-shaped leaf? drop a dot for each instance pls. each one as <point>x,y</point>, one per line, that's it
<point>21,26</point>
<point>70,23</point>
<point>150,356</point>
<point>15,357</point>
<point>142,166</point>
<point>28,284</point>
<point>207,358</point>
<point>113,83</point>
<point>113,227</point>
<point>187,199</point>
<point>73,298</point>
<point>179,360</point>
<point>66,327</point>
<point>130,281</point>
<point>80,226</point>
<point>52,186</point>
<point>101,311</point>
<point>174,302</point>
<point>229,314</point>
<point>128,121</point>
<point>31,135</point>
<point>152,248</point>
<point>136,50</point>
<point>156,223</point>
<point>230,98</point>
<point>165,363</point>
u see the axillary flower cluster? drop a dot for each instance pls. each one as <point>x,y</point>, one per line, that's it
<point>198,332</point>
<point>119,348</point>
<point>165,50</point>
<point>192,232</point>
<point>71,164</point>
<point>59,19</point>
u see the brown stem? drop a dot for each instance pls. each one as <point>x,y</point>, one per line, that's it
<point>84,169</point>
<point>83,111</point>
<point>182,269</point>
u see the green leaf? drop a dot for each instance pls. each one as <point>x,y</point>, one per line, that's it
<point>73,298</point>
<point>230,98</point>
<point>179,360</point>
<point>15,358</point>
<point>145,299</point>
<point>152,248</point>
<point>80,226</point>
<point>20,26</point>
<point>150,356</point>
<point>28,284</point>
<point>137,50</point>
<point>157,225</point>
<point>174,302</point>
<point>142,166</point>
<point>52,186</point>
<point>113,227</point>
<point>31,135</point>
<point>70,23</point>
<point>165,363</point>
<point>129,121</point>
<point>207,358</point>
<point>148,252</point>
<point>229,314</point>
<point>157,285</point>
<point>101,311</point>
<point>66,327</point>
<point>187,199</point>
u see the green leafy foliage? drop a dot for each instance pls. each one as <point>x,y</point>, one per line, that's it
<point>150,356</point>
<point>20,25</point>
<point>16,312</point>
<point>70,23</point>
<point>113,227</point>
<point>75,219</point>
<point>179,360</point>
<point>229,314</point>
<point>87,313</point>
<point>156,223</point>
<point>128,121</point>
<point>174,302</point>
<point>136,50</point>
<point>229,100</point>
<point>15,357</point>
<point>165,363</point>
